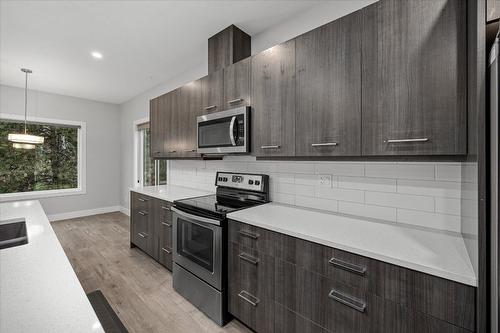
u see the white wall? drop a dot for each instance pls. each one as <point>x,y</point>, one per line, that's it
<point>138,107</point>
<point>103,144</point>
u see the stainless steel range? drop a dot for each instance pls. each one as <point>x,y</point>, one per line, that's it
<point>200,239</point>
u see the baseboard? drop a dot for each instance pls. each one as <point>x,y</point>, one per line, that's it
<point>82,213</point>
<point>125,211</point>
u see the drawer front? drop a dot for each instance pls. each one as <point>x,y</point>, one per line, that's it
<point>140,201</point>
<point>142,233</point>
<point>327,303</point>
<point>444,299</point>
<point>165,210</point>
<point>287,321</point>
<point>253,237</point>
<point>165,256</point>
<point>251,287</point>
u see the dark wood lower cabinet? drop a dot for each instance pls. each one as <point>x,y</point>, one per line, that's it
<point>151,227</point>
<point>304,287</point>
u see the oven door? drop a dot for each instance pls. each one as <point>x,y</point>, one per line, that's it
<point>197,246</point>
<point>223,132</point>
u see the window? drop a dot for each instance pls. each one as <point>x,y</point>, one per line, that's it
<point>149,171</point>
<point>52,168</point>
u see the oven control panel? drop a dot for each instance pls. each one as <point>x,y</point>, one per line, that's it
<point>250,182</point>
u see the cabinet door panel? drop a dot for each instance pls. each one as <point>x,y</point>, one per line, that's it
<point>212,87</point>
<point>328,61</point>
<point>189,107</point>
<point>157,123</point>
<point>237,84</point>
<point>273,101</point>
<point>414,78</point>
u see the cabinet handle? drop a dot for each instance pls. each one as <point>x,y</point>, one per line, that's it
<point>143,200</point>
<point>348,300</point>
<point>166,224</point>
<point>361,270</point>
<point>166,250</point>
<point>237,100</point>
<point>406,140</point>
<point>325,144</point>
<point>143,213</point>
<point>270,147</point>
<point>246,257</point>
<point>165,208</point>
<point>156,152</point>
<point>248,234</point>
<point>210,107</point>
<point>246,296</point>
<point>143,235</point>
<point>190,150</point>
<point>172,151</point>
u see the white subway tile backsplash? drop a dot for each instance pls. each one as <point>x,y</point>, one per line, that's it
<point>449,172</point>
<point>369,184</point>
<point>339,194</point>
<point>429,220</point>
<point>399,200</point>
<point>340,168</point>
<point>433,188</point>
<point>376,212</point>
<point>316,203</point>
<point>448,206</point>
<point>426,194</point>
<point>400,171</point>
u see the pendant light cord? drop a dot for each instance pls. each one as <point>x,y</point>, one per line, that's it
<point>25,102</point>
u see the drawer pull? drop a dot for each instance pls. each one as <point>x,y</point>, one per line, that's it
<point>361,270</point>
<point>166,224</point>
<point>236,100</point>
<point>270,147</point>
<point>406,140</point>
<point>165,208</point>
<point>324,144</point>
<point>190,151</point>
<point>166,250</point>
<point>172,151</point>
<point>210,107</point>
<point>143,234</point>
<point>347,300</point>
<point>143,200</point>
<point>246,257</point>
<point>142,213</point>
<point>249,234</point>
<point>246,296</point>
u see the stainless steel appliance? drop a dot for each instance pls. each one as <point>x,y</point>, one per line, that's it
<point>494,231</point>
<point>224,132</point>
<point>200,239</point>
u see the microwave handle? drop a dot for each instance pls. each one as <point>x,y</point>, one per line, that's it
<point>231,131</point>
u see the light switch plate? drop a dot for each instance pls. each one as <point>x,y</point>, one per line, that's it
<point>325,180</point>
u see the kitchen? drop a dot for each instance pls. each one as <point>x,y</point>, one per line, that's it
<point>288,166</point>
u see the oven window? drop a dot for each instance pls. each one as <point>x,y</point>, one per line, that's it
<point>214,133</point>
<point>196,243</point>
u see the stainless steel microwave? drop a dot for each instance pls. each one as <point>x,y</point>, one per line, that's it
<point>224,132</point>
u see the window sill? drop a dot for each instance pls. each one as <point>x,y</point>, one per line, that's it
<point>40,194</point>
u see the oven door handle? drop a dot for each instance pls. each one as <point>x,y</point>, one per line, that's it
<point>231,131</point>
<point>195,217</point>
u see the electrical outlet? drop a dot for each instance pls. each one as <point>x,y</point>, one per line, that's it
<point>325,180</point>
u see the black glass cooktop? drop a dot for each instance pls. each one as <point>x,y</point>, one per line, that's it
<point>215,205</point>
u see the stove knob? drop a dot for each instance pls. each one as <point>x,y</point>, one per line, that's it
<point>250,182</point>
<point>257,182</point>
<point>219,179</point>
<point>224,179</point>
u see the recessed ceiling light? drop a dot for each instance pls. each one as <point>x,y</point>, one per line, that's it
<point>97,55</point>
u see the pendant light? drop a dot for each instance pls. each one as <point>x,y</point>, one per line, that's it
<point>25,140</point>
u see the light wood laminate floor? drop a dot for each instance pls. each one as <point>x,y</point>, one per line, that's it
<point>138,288</point>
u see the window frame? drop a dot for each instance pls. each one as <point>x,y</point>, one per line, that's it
<point>81,162</point>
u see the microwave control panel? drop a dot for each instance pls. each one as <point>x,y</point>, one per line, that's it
<point>243,181</point>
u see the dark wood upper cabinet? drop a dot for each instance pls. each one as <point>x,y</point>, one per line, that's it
<point>227,47</point>
<point>169,104</point>
<point>414,78</point>
<point>237,84</point>
<point>188,108</point>
<point>273,101</point>
<point>328,61</point>
<point>212,92</point>
<point>156,121</point>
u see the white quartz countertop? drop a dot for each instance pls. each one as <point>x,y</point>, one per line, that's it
<point>169,192</point>
<point>39,291</point>
<point>439,254</point>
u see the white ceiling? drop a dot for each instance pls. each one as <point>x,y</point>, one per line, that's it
<point>144,43</point>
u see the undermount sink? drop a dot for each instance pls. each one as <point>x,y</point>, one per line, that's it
<point>13,233</point>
